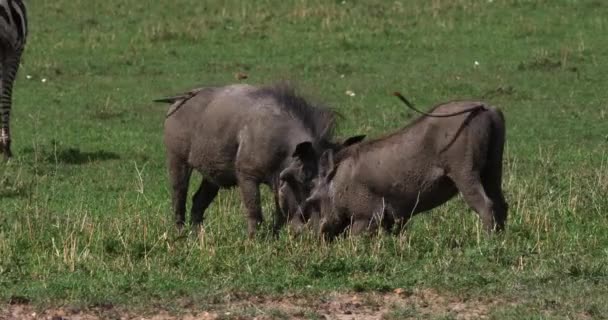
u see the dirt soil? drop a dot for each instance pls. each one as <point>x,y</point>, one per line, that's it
<point>400,304</point>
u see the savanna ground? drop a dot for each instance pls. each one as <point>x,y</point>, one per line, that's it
<point>86,230</point>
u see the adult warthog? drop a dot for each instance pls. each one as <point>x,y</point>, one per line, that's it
<point>244,135</point>
<point>459,147</point>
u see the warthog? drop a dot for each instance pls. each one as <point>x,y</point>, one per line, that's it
<point>244,135</point>
<point>415,169</point>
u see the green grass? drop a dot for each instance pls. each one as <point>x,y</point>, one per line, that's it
<point>85,213</point>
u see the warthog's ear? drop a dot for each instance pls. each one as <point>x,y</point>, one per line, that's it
<point>304,151</point>
<point>353,140</point>
<point>308,156</point>
<point>327,167</point>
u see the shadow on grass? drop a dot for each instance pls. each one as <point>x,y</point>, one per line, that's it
<point>7,190</point>
<point>72,155</point>
<point>12,184</point>
<point>75,156</point>
<point>8,193</point>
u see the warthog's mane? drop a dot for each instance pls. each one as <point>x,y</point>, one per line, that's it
<point>320,119</point>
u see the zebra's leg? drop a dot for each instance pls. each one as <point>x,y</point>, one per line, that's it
<point>5,140</point>
<point>10,66</point>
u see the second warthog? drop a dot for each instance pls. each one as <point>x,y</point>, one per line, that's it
<point>416,169</point>
<point>244,135</point>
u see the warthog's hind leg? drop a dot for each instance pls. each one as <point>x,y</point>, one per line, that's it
<point>494,190</point>
<point>201,200</point>
<point>475,196</point>
<point>492,183</point>
<point>179,176</point>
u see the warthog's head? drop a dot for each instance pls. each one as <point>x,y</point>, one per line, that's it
<point>318,205</point>
<point>332,220</point>
<point>301,177</point>
<point>319,202</point>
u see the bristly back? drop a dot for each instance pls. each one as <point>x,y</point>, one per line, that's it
<point>381,141</point>
<point>320,119</point>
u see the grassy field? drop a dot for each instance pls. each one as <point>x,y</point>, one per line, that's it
<point>85,210</point>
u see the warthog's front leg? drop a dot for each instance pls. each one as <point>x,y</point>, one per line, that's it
<point>279,216</point>
<point>279,213</point>
<point>288,210</point>
<point>359,226</point>
<point>250,195</point>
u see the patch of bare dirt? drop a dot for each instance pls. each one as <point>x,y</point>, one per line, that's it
<point>400,304</point>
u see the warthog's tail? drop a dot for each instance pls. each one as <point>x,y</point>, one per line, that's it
<point>178,100</point>
<point>181,96</point>
<point>442,115</point>
<point>171,99</point>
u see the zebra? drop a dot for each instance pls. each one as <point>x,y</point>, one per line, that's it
<point>13,33</point>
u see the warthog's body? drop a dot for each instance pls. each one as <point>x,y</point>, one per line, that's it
<point>416,169</point>
<point>240,135</point>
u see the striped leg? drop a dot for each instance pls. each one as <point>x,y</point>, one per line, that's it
<point>5,138</point>
<point>10,66</point>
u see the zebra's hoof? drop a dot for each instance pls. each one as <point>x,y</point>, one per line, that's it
<point>6,151</point>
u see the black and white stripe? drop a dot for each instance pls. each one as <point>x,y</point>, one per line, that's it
<point>13,34</point>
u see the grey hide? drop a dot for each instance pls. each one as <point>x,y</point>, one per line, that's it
<point>389,179</point>
<point>244,135</point>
